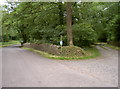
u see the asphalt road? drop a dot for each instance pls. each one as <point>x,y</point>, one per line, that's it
<point>0,68</point>
<point>22,68</point>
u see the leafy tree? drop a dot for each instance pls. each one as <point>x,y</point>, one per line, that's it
<point>45,22</point>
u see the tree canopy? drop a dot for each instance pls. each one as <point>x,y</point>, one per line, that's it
<point>45,22</point>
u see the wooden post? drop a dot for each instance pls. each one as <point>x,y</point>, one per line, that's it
<point>61,41</point>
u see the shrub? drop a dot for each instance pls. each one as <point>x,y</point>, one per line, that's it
<point>83,34</point>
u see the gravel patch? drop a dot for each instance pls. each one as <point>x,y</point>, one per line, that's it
<point>103,68</point>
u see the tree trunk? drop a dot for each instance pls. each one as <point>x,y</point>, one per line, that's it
<point>69,24</point>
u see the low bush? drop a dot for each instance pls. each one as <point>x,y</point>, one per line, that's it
<point>84,35</point>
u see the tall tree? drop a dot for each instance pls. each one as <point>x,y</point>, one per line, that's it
<point>69,23</point>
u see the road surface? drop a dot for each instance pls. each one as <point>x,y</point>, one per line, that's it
<point>0,68</point>
<point>22,68</point>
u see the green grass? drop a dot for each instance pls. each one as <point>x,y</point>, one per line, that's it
<point>113,47</point>
<point>103,47</point>
<point>108,45</point>
<point>5,44</point>
<point>99,43</point>
<point>91,53</point>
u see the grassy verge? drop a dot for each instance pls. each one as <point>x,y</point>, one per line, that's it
<point>92,53</point>
<point>107,45</point>
<point>103,47</point>
<point>113,47</point>
<point>100,43</point>
<point>5,44</point>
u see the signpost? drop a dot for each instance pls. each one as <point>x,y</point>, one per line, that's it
<point>61,42</point>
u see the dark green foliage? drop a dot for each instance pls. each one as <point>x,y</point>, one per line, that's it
<point>45,22</point>
<point>5,38</point>
<point>84,35</point>
<point>114,29</point>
